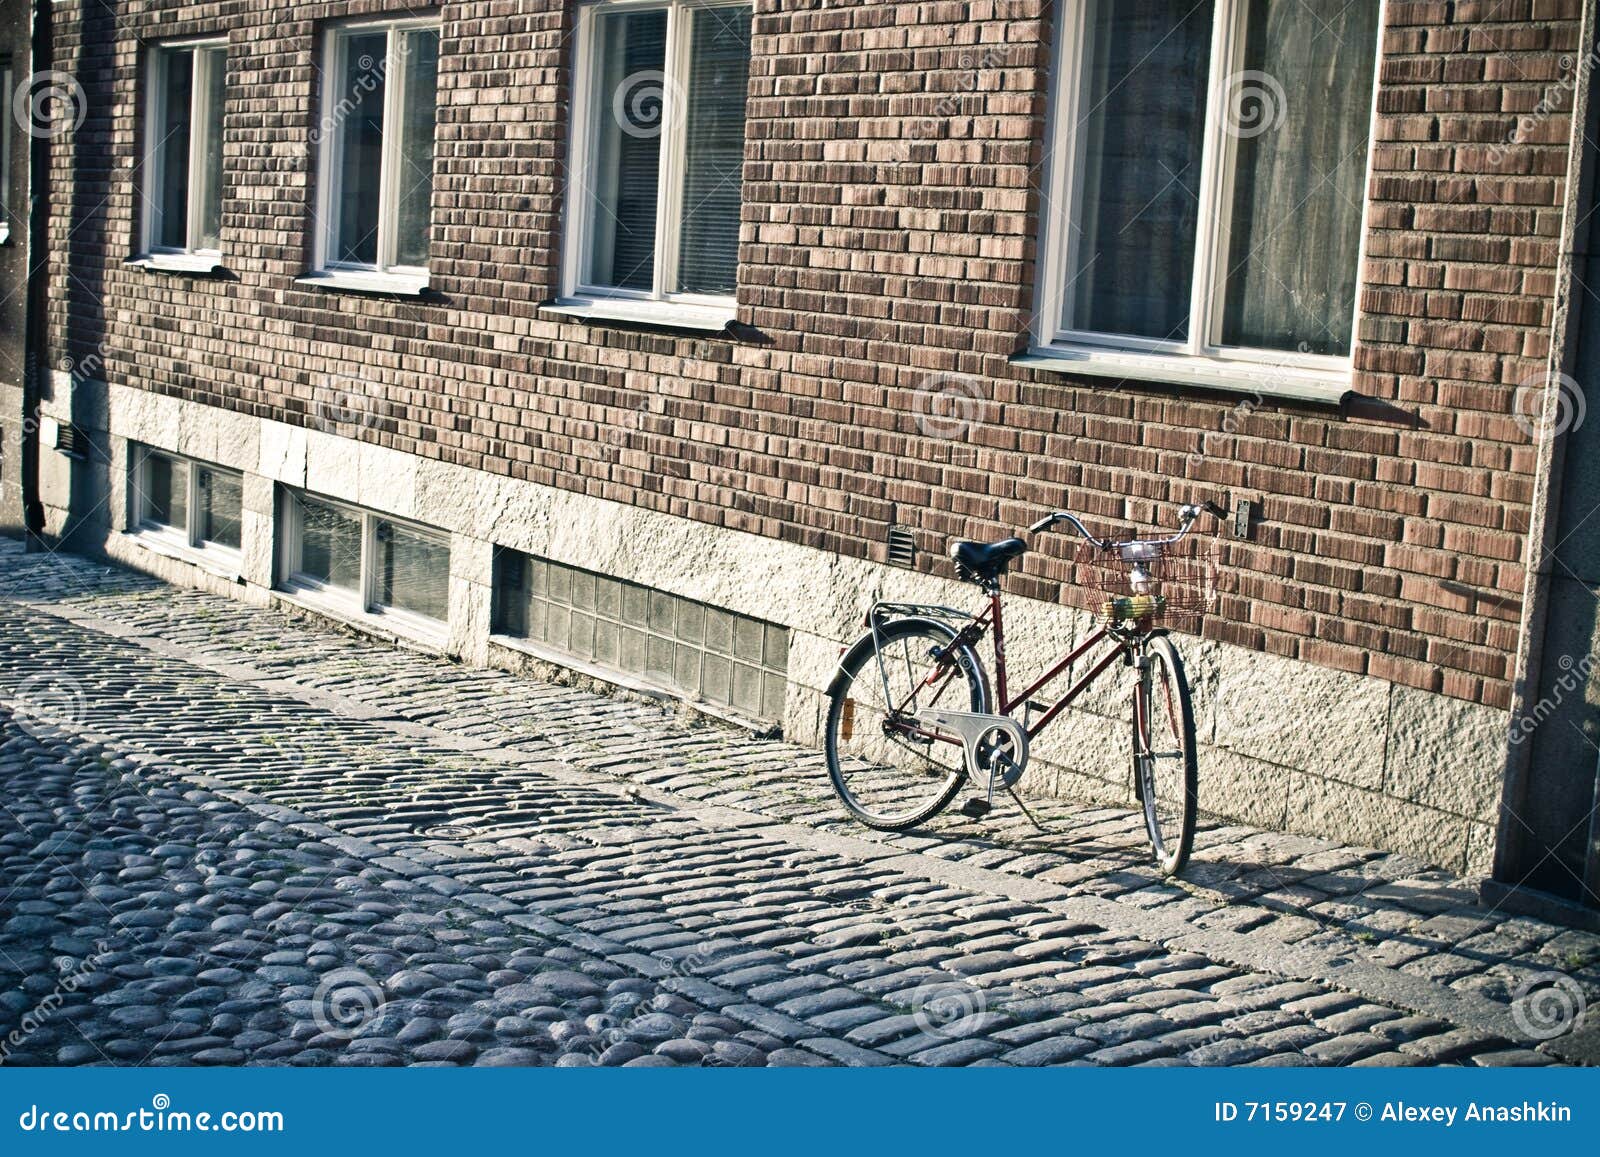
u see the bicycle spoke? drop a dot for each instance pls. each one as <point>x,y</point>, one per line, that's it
<point>888,765</point>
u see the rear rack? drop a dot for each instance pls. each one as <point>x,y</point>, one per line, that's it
<point>881,611</point>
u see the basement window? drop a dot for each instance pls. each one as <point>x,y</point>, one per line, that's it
<point>193,506</point>
<point>715,657</point>
<point>356,563</point>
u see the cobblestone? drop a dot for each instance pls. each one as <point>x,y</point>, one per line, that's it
<point>251,839</point>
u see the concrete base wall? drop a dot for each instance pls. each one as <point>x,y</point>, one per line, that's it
<point>13,425</point>
<point>1283,744</point>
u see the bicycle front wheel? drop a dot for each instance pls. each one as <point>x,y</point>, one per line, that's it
<point>1165,773</point>
<point>890,770</point>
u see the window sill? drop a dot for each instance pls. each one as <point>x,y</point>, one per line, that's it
<point>377,284</point>
<point>218,561</point>
<point>662,314</point>
<point>1297,382</point>
<point>196,263</point>
<point>390,626</point>
<point>634,683</point>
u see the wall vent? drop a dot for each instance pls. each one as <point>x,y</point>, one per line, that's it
<point>902,547</point>
<point>72,441</point>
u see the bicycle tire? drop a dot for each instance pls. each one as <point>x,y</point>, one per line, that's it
<point>866,655</point>
<point>1168,791</point>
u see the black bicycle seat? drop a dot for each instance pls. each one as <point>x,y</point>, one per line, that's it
<point>985,562</point>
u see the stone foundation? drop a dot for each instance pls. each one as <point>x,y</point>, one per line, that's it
<point>1284,744</point>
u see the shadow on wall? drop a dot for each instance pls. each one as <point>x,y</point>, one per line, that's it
<point>1549,829</point>
<point>83,354</point>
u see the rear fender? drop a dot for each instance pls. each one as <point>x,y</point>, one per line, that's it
<point>866,646</point>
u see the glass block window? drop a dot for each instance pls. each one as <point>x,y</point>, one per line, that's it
<point>690,648</point>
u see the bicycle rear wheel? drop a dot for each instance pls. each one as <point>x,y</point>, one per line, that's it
<point>889,771</point>
<point>1165,773</point>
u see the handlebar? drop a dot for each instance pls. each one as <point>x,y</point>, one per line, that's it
<point>1187,515</point>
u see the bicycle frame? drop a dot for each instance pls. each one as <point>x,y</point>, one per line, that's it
<point>993,619</point>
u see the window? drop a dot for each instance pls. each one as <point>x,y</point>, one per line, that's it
<point>696,650</point>
<point>183,149</point>
<point>1209,180</point>
<point>658,153</point>
<point>185,503</point>
<point>364,563</point>
<point>380,85</point>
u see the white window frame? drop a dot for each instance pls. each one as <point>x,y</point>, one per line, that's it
<point>361,603</point>
<point>199,147</point>
<point>659,304</point>
<point>386,276</point>
<point>182,540</point>
<point>1201,359</point>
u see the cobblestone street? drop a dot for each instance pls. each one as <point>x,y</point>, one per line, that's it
<point>233,837</point>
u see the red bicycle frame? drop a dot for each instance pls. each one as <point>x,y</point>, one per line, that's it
<point>992,619</point>
<point>996,622</point>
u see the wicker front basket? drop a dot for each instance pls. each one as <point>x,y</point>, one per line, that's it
<point>1151,583</point>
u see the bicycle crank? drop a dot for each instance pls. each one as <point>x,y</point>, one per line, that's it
<point>996,746</point>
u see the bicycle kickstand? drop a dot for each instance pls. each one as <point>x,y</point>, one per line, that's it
<point>1032,819</point>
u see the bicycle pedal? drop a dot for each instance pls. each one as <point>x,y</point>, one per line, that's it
<point>976,808</point>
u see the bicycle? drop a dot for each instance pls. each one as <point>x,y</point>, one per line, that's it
<point>898,751</point>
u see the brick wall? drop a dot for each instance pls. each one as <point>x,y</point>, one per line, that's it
<point>888,239</point>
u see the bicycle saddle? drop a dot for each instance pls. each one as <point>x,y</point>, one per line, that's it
<point>983,562</point>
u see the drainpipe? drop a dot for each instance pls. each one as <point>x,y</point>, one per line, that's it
<point>1550,451</point>
<point>35,363</point>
